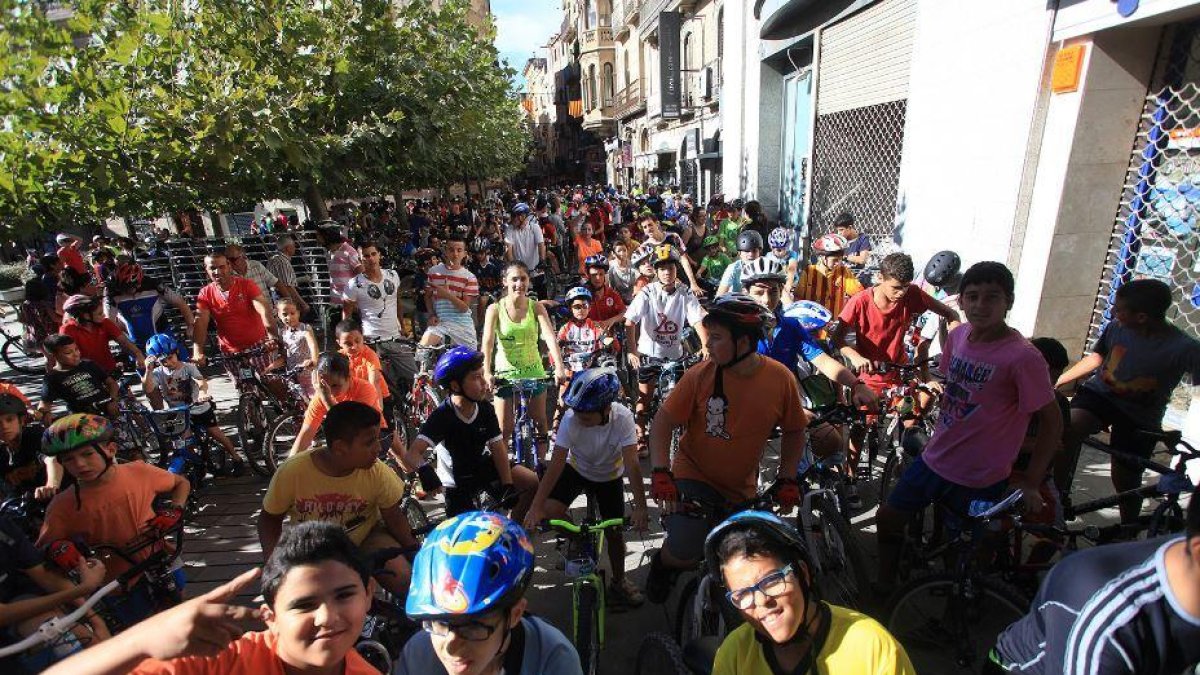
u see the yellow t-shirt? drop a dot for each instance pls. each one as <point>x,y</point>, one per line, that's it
<point>304,493</point>
<point>856,645</point>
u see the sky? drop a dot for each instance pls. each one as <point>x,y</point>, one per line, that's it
<point>522,26</point>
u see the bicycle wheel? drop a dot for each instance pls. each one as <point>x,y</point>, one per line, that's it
<point>843,578</point>
<point>695,620</point>
<point>587,629</point>
<point>30,363</point>
<point>895,466</point>
<point>280,440</point>
<point>1166,519</point>
<point>252,429</point>
<point>948,625</point>
<point>659,655</point>
<point>418,520</point>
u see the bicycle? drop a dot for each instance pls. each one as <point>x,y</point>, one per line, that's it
<point>668,377</point>
<point>187,450</point>
<point>423,396</point>
<point>251,415</point>
<point>387,627</point>
<point>584,544</point>
<point>284,428</point>
<point>524,447</point>
<point>22,351</point>
<point>884,431</point>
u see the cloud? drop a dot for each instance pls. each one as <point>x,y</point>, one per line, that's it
<point>523,27</point>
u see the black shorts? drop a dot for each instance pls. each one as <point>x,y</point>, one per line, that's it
<point>649,370</point>
<point>461,497</point>
<point>1123,429</point>
<point>205,420</point>
<point>609,495</point>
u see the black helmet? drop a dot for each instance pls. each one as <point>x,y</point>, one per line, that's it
<point>749,241</point>
<point>741,315</point>
<point>943,269</point>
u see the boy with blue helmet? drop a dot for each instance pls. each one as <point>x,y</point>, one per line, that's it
<point>468,592</point>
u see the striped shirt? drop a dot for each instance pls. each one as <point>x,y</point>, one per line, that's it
<point>262,277</point>
<point>281,266</point>
<point>830,288</point>
<point>460,282</point>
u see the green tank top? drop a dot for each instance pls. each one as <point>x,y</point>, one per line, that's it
<point>517,356</point>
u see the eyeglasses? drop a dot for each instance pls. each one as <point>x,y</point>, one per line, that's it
<point>771,586</point>
<point>579,305</point>
<point>471,631</point>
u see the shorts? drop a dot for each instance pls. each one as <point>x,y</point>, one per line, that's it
<point>506,390</point>
<point>609,495</point>
<point>921,486</point>
<point>685,533</point>
<point>650,369</point>
<point>1123,429</point>
<point>206,419</point>
<point>461,497</point>
<point>454,333</point>
<point>259,362</point>
<point>399,365</point>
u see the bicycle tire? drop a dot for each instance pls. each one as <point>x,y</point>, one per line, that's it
<point>687,626</point>
<point>844,579</point>
<point>20,360</point>
<point>660,655</point>
<point>252,432</point>
<point>893,468</point>
<point>587,623</point>
<point>1166,519</point>
<point>940,641</point>
<point>278,443</point>
<point>418,520</point>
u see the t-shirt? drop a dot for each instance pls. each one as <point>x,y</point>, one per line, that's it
<point>713,265</point>
<point>141,312</point>
<point>1107,610</point>
<point>92,340</point>
<point>178,386</point>
<point>83,387</point>
<point>992,390</point>
<point>463,284</point>
<point>461,443</point>
<point>72,258</point>
<point>251,654</point>
<point>21,467</point>
<point>488,275</point>
<point>583,249</point>
<point>606,303</point>
<point>111,513</point>
<point>546,652</point>
<point>621,280</point>
<point>342,263</point>
<point>303,492</point>
<point>578,341</point>
<point>732,277</point>
<point>376,303</point>
<point>17,553</point>
<point>358,390</point>
<point>830,287</point>
<point>725,430</point>
<point>595,452</point>
<point>524,242</point>
<point>856,645</point>
<point>789,343</point>
<point>858,245</point>
<point>661,316</point>
<point>1139,372</point>
<point>365,361</point>
<point>239,325</point>
<point>879,335</point>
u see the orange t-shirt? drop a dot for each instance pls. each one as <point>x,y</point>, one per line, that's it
<point>361,365</point>
<point>723,438</point>
<point>359,390</point>
<point>585,248</point>
<point>251,654</point>
<point>113,513</point>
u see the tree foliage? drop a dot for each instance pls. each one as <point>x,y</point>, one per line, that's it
<point>151,106</point>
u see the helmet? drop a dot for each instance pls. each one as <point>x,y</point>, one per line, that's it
<point>162,344</point>
<point>129,274</point>
<point>670,214</point>
<point>749,241</point>
<point>63,238</point>
<point>812,315</point>
<point>943,268</point>
<point>831,244</point>
<point>75,431</point>
<point>738,204</point>
<point>710,240</point>
<point>454,365</point>
<point>592,390</point>
<point>11,404</point>
<point>768,524</point>
<point>665,253</point>
<point>761,269</point>
<point>480,245</point>
<point>780,237</point>
<point>470,564</point>
<point>578,292</point>
<point>642,252</point>
<point>520,209</point>
<point>741,315</point>
<point>597,260</point>
<point>78,305</point>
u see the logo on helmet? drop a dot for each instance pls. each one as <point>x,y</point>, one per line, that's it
<point>449,595</point>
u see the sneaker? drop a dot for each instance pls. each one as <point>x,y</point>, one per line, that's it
<point>625,594</point>
<point>853,501</point>
<point>660,580</point>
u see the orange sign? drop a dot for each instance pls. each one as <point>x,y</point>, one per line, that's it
<point>1068,66</point>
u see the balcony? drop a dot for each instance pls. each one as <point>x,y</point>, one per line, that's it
<point>596,38</point>
<point>631,13</point>
<point>702,87</point>
<point>600,119</point>
<point>629,101</point>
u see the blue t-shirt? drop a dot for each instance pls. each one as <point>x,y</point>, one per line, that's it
<point>546,650</point>
<point>789,343</point>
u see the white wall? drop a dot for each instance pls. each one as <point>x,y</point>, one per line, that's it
<point>1080,17</point>
<point>740,94</point>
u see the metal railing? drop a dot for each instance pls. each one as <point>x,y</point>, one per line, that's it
<point>629,100</point>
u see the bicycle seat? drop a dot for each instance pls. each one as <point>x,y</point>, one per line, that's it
<point>985,510</point>
<point>699,654</point>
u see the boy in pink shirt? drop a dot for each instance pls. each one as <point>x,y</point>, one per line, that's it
<point>996,382</point>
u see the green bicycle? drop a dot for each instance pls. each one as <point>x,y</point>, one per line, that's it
<point>584,545</point>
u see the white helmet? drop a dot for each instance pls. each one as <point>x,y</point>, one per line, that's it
<point>761,269</point>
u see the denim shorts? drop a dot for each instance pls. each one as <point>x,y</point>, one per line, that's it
<point>920,486</point>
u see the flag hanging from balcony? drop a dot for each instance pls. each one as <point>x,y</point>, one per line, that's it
<point>575,108</point>
<point>527,104</point>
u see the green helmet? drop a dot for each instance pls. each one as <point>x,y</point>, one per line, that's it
<point>75,431</point>
<point>710,240</point>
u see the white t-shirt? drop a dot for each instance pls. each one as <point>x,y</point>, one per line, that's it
<point>661,316</point>
<point>595,452</point>
<point>524,242</point>
<point>177,386</point>
<point>376,303</point>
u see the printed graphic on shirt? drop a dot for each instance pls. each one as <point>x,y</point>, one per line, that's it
<point>1138,386</point>
<point>346,509</point>
<point>666,331</point>
<point>714,418</point>
<point>966,377</point>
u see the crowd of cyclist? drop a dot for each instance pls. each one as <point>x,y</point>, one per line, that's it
<point>515,297</point>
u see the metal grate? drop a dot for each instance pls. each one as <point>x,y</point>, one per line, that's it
<point>856,168</point>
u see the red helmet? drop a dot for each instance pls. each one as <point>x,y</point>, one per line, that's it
<point>831,244</point>
<point>129,275</point>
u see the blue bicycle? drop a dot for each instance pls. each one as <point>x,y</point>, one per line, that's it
<point>524,447</point>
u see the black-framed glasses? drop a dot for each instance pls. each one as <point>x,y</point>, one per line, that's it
<point>772,585</point>
<point>471,631</point>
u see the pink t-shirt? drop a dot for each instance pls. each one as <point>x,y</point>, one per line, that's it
<point>342,264</point>
<point>992,390</point>
<point>879,336</point>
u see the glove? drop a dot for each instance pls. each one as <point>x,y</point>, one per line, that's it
<point>64,554</point>
<point>429,478</point>
<point>508,496</point>
<point>662,486</point>
<point>786,492</point>
<point>166,518</point>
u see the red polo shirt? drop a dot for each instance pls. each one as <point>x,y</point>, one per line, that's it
<point>93,340</point>
<point>239,325</point>
<point>606,303</point>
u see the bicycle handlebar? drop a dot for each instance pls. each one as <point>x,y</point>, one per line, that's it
<point>585,527</point>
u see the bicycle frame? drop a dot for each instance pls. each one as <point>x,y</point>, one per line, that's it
<point>586,570</point>
<point>1169,493</point>
<point>523,422</point>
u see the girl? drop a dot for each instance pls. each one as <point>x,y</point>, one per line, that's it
<point>299,344</point>
<point>516,322</point>
<point>621,272</point>
<point>645,268</point>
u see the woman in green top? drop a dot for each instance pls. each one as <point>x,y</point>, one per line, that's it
<point>510,351</point>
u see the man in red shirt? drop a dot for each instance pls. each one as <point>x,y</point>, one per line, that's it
<point>242,313</point>
<point>607,306</point>
<point>84,322</point>
<point>68,253</point>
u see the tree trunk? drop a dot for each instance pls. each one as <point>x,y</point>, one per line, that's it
<point>466,189</point>
<point>315,201</point>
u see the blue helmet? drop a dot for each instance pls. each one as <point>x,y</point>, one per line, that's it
<point>597,260</point>
<point>592,390</point>
<point>454,365</point>
<point>670,214</point>
<point>779,237</point>
<point>774,527</point>
<point>471,564</point>
<point>578,292</point>
<point>812,315</point>
<point>161,345</point>
<point>520,209</point>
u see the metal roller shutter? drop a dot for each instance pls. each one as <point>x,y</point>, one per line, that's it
<point>866,59</point>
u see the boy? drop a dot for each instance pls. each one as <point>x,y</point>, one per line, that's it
<point>22,468</point>
<point>1138,361</point>
<point>345,483</point>
<point>83,385</point>
<point>335,384</point>
<point>426,259</point>
<point>488,273</point>
<point>596,441</point>
<point>85,323</point>
<point>712,267</point>
<point>451,291</point>
<point>996,383</point>
<point>170,381</point>
<point>655,320</point>
<point>365,365</point>
<point>644,266</point>
<point>315,599</point>
<point>462,428</point>
<point>749,247</point>
<point>828,281</point>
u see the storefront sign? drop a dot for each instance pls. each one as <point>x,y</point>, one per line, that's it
<point>668,63</point>
<point>1068,65</point>
<point>691,142</point>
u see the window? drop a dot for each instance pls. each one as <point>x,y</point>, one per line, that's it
<point>720,40</point>
<point>591,88</point>
<point>687,52</point>
<point>590,20</point>
<point>606,91</point>
<point>625,70</point>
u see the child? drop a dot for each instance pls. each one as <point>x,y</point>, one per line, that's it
<point>622,273</point>
<point>86,324</point>
<point>1055,356</point>
<point>712,266</point>
<point>334,385</point>
<point>828,281</point>
<point>426,259</point>
<point>451,291</point>
<point>996,383</point>
<point>462,428</point>
<point>83,385</point>
<point>596,443</point>
<point>171,381</point>
<point>300,348</point>
<point>580,335</point>
<point>585,245</point>
<point>645,267</point>
<point>780,241</point>
<point>1138,361</point>
<point>488,273</point>
<point>365,365</point>
<point>345,483</point>
<point>23,469</point>
<point>316,596</point>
